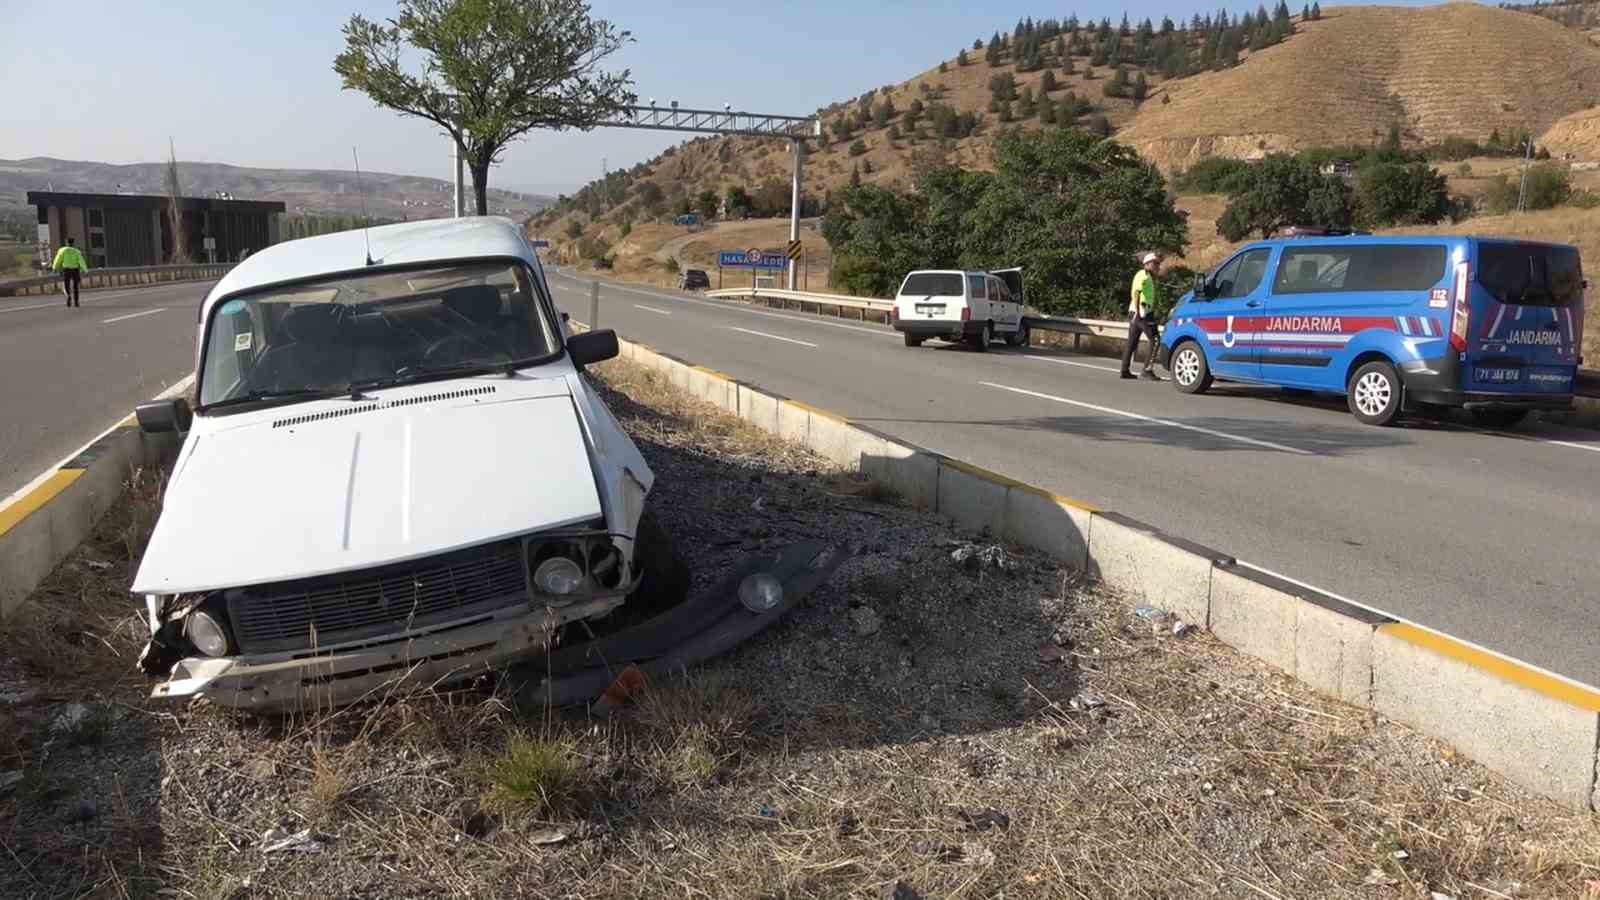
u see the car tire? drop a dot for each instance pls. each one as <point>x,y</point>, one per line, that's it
<point>1498,418</point>
<point>1374,393</point>
<point>666,578</point>
<point>913,341</point>
<point>980,341</point>
<point>1191,373</point>
<point>1018,338</point>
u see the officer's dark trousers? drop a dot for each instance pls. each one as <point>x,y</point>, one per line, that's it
<point>1138,325</point>
<point>71,280</point>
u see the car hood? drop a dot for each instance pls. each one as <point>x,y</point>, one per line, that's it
<point>313,489</point>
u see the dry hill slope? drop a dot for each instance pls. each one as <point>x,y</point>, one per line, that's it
<point>1577,134</point>
<point>1460,69</point>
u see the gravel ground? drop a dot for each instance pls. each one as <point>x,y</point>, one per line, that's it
<point>945,718</point>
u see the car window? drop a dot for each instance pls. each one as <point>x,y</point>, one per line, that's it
<point>326,335</point>
<point>933,284</point>
<point>1530,274</point>
<point>979,287</point>
<point>1242,275</point>
<point>1359,267</point>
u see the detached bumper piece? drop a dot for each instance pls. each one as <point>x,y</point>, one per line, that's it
<point>741,605</point>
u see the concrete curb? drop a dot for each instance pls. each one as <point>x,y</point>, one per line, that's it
<point>1538,729</point>
<point>44,521</point>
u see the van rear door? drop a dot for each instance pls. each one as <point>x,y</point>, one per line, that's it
<point>1527,318</point>
<point>1013,280</point>
<point>935,296</point>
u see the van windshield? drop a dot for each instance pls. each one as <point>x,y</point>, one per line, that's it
<point>386,327</point>
<point>933,284</point>
<point>1530,274</point>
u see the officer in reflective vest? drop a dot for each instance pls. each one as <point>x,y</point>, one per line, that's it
<point>71,264</point>
<point>1143,299</point>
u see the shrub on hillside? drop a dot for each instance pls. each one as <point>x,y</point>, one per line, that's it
<point>1548,186</point>
<point>858,147</point>
<point>1214,175</point>
<point>1390,194</point>
<point>1585,199</point>
<point>1280,191</point>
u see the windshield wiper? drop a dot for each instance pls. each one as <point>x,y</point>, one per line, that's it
<point>410,373</point>
<point>257,395</point>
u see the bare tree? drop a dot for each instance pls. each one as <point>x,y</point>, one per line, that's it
<point>490,71</point>
<point>180,250</point>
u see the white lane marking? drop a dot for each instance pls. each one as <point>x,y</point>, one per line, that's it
<point>1069,362</point>
<point>774,337</point>
<point>148,312</point>
<point>1383,612</point>
<point>659,312</point>
<point>1530,437</point>
<point>1151,419</point>
<point>38,306</point>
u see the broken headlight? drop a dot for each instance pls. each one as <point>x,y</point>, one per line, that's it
<point>558,576</point>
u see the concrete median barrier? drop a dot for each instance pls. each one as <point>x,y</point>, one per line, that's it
<point>46,520</point>
<point>1537,729</point>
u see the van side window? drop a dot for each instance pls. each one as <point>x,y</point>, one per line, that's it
<point>1355,268</point>
<point>999,291</point>
<point>1241,276</point>
<point>978,287</point>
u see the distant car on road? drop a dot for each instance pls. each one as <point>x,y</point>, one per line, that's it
<point>1393,323</point>
<point>694,280</point>
<point>958,306</point>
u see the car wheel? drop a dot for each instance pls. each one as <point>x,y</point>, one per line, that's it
<point>981,340</point>
<point>1190,372</point>
<point>666,574</point>
<point>1374,393</point>
<point>912,341</point>
<point>1499,418</point>
<point>1018,338</point>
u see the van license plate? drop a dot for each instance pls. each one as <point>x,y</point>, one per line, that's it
<point>1496,375</point>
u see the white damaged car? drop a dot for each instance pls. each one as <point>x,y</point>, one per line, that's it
<point>393,472</point>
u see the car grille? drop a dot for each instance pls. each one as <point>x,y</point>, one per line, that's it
<point>296,615</point>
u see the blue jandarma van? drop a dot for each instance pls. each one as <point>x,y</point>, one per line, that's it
<point>1394,323</point>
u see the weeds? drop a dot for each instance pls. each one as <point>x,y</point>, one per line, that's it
<point>535,774</point>
<point>691,730</point>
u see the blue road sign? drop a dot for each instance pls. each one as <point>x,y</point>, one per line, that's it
<point>746,259</point>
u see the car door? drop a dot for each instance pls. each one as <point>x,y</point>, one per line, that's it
<point>1016,300</point>
<point>1233,314</point>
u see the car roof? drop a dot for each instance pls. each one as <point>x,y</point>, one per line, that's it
<point>407,243</point>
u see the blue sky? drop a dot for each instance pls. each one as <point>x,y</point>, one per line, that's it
<point>252,84</point>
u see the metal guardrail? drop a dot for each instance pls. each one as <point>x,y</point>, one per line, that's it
<point>44,284</point>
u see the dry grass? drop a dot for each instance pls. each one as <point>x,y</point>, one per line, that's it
<point>1458,69</point>
<point>1577,133</point>
<point>534,775</point>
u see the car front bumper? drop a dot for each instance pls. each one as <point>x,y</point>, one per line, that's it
<point>440,655</point>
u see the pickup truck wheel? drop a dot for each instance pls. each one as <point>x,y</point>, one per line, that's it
<point>666,574</point>
<point>912,341</point>
<point>1374,393</point>
<point>1190,372</point>
<point>981,340</point>
<point>1499,418</point>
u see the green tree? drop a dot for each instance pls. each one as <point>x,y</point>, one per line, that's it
<point>1140,88</point>
<point>738,202</point>
<point>1401,194</point>
<point>490,71</point>
<point>574,229</point>
<point>913,113</point>
<point>652,197</point>
<point>1025,105</point>
<point>1316,11</point>
<point>881,113</point>
<point>858,147</point>
<point>1280,191</point>
<point>961,59</point>
<point>1047,82</point>
<point>707,204</point>
<point>1047,111</point>
<point>894,132</point>
<point>1003,111</point>
<point>942,67</point>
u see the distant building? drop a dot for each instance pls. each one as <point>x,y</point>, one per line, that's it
<point>136,230</point>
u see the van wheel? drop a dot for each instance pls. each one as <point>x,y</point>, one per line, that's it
<point>1018,338</point>
<point>1190,372</point>
<point>981,340</point>
<point>913,341</point>
<point>1499,418</point>
<point>1374,393</point>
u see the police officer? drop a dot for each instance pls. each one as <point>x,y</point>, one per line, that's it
<point>1144,297</point>
<point>71,264</point>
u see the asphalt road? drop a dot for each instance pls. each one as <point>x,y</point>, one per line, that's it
<point>1489,537</point>
<point>68,374</point>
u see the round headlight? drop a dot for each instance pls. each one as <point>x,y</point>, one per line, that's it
<point>205,633</point>
<point>761,592</point>
<point>558,576</point>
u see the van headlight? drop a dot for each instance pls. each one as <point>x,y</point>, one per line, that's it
<point>558,576</point>
<point>206,633</point>
<point>761,592</point>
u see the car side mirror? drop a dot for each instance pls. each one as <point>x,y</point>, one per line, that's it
<point>592,347</point>
<point>1202,290</point>
<point>164,416</point>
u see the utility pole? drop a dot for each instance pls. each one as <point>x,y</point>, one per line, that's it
<point>1527,157</point>
<point>799,148</point>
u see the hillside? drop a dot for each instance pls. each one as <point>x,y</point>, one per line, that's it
<point>320,192</point>
<point>1577,134</point>
<point>1460,69</point>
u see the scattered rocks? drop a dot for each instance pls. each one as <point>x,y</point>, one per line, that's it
<point>281,840</point>
<point>975,559</point>
<point>70,719</point>
<point>546,836</point>
<point>1086,702</point>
